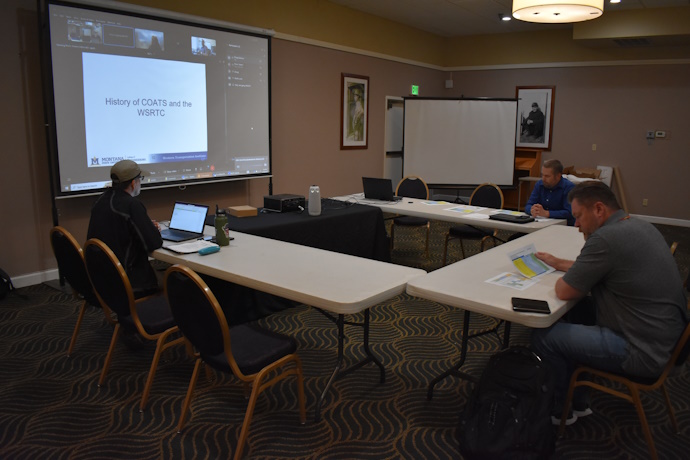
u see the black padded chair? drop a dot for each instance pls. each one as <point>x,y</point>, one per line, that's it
<point>634,386</point>
<point>486,195</point>
<point>257,357</point>
<point>412,187</point>
<point>148,316</point>
<point>70,259</point>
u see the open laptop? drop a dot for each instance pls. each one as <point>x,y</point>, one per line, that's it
<point>378,189</point>
<point>186,223</point>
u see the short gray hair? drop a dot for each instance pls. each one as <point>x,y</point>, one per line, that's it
<point>554,165</point>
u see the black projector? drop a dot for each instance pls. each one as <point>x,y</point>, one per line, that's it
<point>284,202</point>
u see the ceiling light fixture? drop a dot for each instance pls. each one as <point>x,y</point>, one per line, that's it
<point>557,11</point>
<point>505,17</point>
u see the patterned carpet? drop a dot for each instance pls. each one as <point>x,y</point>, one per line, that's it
<point>52,408</point>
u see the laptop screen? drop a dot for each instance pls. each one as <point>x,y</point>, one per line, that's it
<point>377,188</point>
<point>188,217</point>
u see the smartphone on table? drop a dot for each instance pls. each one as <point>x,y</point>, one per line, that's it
<point>531,305</point>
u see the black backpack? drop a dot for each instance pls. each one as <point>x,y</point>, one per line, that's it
<point>508,415</point>
<point>5,284</point>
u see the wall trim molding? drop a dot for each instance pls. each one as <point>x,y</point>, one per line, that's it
<point>30,279</point>
<point>349,49</point>
<point>663,220</point>
<point>546,65</point>
<point>536,65</point>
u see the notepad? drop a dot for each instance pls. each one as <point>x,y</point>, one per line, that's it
<point>191,246</point>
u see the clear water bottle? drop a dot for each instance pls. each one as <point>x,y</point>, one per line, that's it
<point>314,200</point>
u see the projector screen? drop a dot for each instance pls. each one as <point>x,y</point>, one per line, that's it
<point>189,102</point>
<point>458,142</point>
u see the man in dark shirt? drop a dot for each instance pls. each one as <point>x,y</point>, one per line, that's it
<point>550,195</point>
<point>121,221</point>
<point>534,124</point>
<point>639,308</point>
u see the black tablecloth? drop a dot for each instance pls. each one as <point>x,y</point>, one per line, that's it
<point>353,229</point>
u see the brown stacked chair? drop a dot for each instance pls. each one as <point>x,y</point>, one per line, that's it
<point>634,386</point>
<point>485,195</point>
<point>412,187</point>
<point>148,316</point>
<point>257,357</point>
<point>70,259</point>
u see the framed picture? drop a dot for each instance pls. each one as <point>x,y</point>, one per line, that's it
<point>354,112</point>
<point>535,116</point>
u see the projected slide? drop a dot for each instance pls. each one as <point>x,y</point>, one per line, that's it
<point>189,101</point>
<point>146,110</point>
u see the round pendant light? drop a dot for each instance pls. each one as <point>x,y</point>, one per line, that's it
<point>557,11</point>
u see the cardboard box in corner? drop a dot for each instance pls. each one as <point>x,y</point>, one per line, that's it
<point>242,211</point>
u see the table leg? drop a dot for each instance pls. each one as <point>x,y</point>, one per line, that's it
<point>370,356</point>
<point>339,363</point>
<point>455,370</point>
<point>506,335</point>
<point>337,372</point>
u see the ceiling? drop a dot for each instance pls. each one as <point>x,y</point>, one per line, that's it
<point>451,18</point>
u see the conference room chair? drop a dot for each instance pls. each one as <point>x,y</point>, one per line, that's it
<point>412,187</point>
<point>634,386</point>
<point>148,316</point>
<point>70,259</point>
<point>256,357</point>
<point>486,195</point>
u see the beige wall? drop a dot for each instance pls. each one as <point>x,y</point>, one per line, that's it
<point>611,106</point>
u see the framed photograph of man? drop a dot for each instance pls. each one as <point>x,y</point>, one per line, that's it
<point>535,116</point>
<point>354,112</point>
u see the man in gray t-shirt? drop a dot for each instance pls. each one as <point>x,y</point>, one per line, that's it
<point>636,290</point>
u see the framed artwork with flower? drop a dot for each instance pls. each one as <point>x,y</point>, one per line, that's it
<point>354,111</point>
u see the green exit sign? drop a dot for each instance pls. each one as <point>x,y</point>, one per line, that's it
<point>414,90</point>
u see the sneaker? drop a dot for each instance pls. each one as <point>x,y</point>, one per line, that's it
<point>581,410</point>
<point>556,419</point>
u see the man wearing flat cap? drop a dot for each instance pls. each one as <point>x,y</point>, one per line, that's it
<point>534,124</point>
<point>121,221</point>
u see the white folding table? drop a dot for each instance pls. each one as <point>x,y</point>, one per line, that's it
<point>336,284</point>
<point>463,285</point>
<point>421,208</point>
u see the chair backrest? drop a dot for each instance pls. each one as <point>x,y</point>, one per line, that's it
<point>108,278</point>
<point>198,313</point>
<point>70,259</point>
<point>487,195</point>
<point>412,187</point>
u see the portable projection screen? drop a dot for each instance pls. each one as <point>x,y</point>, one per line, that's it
<point>460,141</point>
<point>188,100</point>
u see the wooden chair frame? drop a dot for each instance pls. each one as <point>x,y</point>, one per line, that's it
<point>634,389</point>
<point>257,382</point>
<point>76,247</point>
<point>161,339</point>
